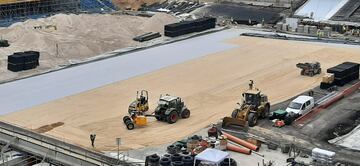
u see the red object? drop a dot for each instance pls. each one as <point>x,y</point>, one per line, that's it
<point>241,142</point>
<point>238,149</point>
<point>279,123</point>
<point>212,132</point>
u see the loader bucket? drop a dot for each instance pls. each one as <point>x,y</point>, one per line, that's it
<point>234,122</point>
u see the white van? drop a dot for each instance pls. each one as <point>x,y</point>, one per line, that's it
<point>301,105</point>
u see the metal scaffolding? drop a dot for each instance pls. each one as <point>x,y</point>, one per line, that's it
<point>31,8</point>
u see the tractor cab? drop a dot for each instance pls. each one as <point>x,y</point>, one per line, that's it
<point>168,101</point>
<point>170,109</point>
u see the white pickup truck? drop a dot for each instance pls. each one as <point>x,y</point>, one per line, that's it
<point>301,105</point>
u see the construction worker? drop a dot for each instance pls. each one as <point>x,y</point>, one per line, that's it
<point>92,139</point>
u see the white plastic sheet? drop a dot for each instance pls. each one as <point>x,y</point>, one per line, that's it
<point>212,155</point>
<point>320,9</point>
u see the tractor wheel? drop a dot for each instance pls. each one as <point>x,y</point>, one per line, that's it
<point>252,119</point>
<point>158,114</point>
<point>234,113</point>
<point>130,125</point>
<point>311,74</point>
<point>266,111</point>
<point>319,71</point>
<point>185,113</point>
<point>289,119</point>
<point>302,72</point>
<point>172,117</point>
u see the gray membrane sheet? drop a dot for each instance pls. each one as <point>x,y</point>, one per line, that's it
<point>29,92</point>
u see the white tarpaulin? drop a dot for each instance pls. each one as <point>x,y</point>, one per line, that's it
<point>320,9</point>
<point>212,155</point>
<point>350,140</point>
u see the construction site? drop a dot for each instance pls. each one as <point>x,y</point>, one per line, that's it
<point>180,82</point>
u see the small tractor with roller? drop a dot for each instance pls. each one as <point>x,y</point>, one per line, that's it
<point>141,103</point>
<point>169,109</point>
<point>254,105</point>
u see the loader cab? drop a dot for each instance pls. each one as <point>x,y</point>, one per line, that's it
<point>252,97</point>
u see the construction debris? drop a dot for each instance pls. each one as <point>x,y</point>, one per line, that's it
<point>147,36</point>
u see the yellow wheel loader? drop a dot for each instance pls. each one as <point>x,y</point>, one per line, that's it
<point>254,105</point>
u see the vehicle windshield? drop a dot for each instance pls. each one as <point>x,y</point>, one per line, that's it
<point>294,105</point>
<point>249,98</point>
<point>163,102</point>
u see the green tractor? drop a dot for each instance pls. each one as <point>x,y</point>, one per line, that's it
<point>170,109</point>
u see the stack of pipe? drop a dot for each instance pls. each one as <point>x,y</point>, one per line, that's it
<point>247,147</point>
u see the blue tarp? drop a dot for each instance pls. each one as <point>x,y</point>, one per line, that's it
<point>97,5</point>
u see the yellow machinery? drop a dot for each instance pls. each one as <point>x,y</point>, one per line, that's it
<point>254,105</point>
<point>169,109</point>
<point>138,120</point>
<point>141,103</point>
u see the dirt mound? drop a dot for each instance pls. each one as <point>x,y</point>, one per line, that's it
<point>65,37</point>
<point>156,23</point>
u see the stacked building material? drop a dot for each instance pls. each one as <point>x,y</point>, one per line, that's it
<point>23,61</point>
<point>327,81</point>
<point>4,43</point>
<point>321,156</point>
<point>345,73</point>
<point>147,36</point>
<point>186,27</point>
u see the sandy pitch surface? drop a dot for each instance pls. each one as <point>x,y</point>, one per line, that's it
<point>210,86</point>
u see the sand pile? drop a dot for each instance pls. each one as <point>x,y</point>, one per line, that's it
<point>71,37</point>
<point>156,23</point>
<point>211,86</point>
